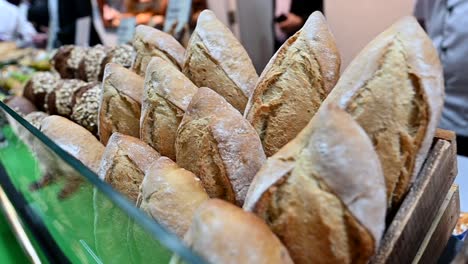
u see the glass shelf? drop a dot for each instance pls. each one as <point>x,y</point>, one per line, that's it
<point>94,224</point>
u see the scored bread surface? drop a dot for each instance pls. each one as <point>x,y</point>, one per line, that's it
<point>294,84</point>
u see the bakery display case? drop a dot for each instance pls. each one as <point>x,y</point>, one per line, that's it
<point>90,223</point>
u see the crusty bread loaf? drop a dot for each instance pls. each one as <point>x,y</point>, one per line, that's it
<point>394,89</point>
<point>150,42</point>
<point>85,105</point>
<point>294,84</point>
<point>67,60</point>
<point>323,194</point>
<point>166,97</point>
<point>75,140</point>
<point>223,233</point>
<point>120,103</point>
<point>170,195</point>
<point>59,100</point>
<point>40,84</point>
<point>218,145</point>
<point>216,59</point>
<point>124,163</point>
<point>21,105</point>
<point>90,66</point>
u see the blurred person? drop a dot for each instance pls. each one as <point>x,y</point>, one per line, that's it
<point>446,22</point>
<point>14,26</point>
<point>290,16</point>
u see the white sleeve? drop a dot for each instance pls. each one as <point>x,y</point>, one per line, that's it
<point>25,30</point>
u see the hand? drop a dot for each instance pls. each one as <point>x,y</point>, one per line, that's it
<point>292,24</point>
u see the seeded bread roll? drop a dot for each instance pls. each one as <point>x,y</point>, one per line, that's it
<point>121,54</point>
<point>90,65</point>
<point>125,162</point>
<point>294,84</point>
<point>59,100</point>
<point>150,42</point>
<point>323,194</point>
<point>75,140</point>
<point>85,104</point>
<point>166,97</point>
<point>120,104</point>
<point>35,118</point>
<point>21,105</point>
<point>40,84</point>
<point>67,61</point>
<point>218,145</point>
<point>394,89</point>
<point>216,59</point>
<point>223,233</point>
<point>170,195</point>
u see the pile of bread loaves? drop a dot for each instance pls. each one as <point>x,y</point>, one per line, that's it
<point>297,165</point>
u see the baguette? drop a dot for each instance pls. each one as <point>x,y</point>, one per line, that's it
<point>216,59</point>
<point>166,97</point>
<point>120,103</point>
<point>170,195</point>
<point>150,42</point>
<point>218,145</point>
<point>124,164</point>
<point>223,233</point>
<point>323,194</point>
<point>294,84</point>
<point>394,89</point>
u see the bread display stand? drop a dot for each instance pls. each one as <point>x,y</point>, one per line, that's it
<point>417,233</point>
<point>424,222</point>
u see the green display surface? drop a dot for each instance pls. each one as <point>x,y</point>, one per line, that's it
<point>10,250</point>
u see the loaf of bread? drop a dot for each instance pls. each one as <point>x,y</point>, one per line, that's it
<point>122,54</point>
<point>120,103</point>
<point>35,118</point>
<point>150,42</point>
<point>394,89</point>
<point>75,140</point>
<point>40,84</point>
<point>166,97</point>
<point>217,60</point>
<point>223,233</point>
<point>294,84</point>
<point>67,59</point>
<point>85,105</point>
<point>90,66</point>
<point>323,194</point>
<point>21,105</point>
<point>59,100</point>
<point>218,145</point>
<point>170,195</point>
<point>124,164</point>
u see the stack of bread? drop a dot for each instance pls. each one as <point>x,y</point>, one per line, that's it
<point>298,165</point>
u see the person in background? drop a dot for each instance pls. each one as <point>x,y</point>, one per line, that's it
<point>14,26</point>
<point>290,16</point>
<point>446,23</point>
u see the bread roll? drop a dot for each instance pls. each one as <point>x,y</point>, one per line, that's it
<point>75,140</point>
<point>121,54</point>
<point>40,84</point>
<point>85,104</point>
<point>170,195</point>
<point>216,59</point>
<point>223,233</point>
<point>323,194</point>
<point>165,99</point>
<point>59,100</point>
<point>120,104</point>
<point>218,145</point>
<point>294,84</point>
<point>124,164</point>
<point>35,118</point>
<point>90,65</point>
<point>67,60</point>
<point>21,105</point>
<point>394,89</point>
<point>150,42</point>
